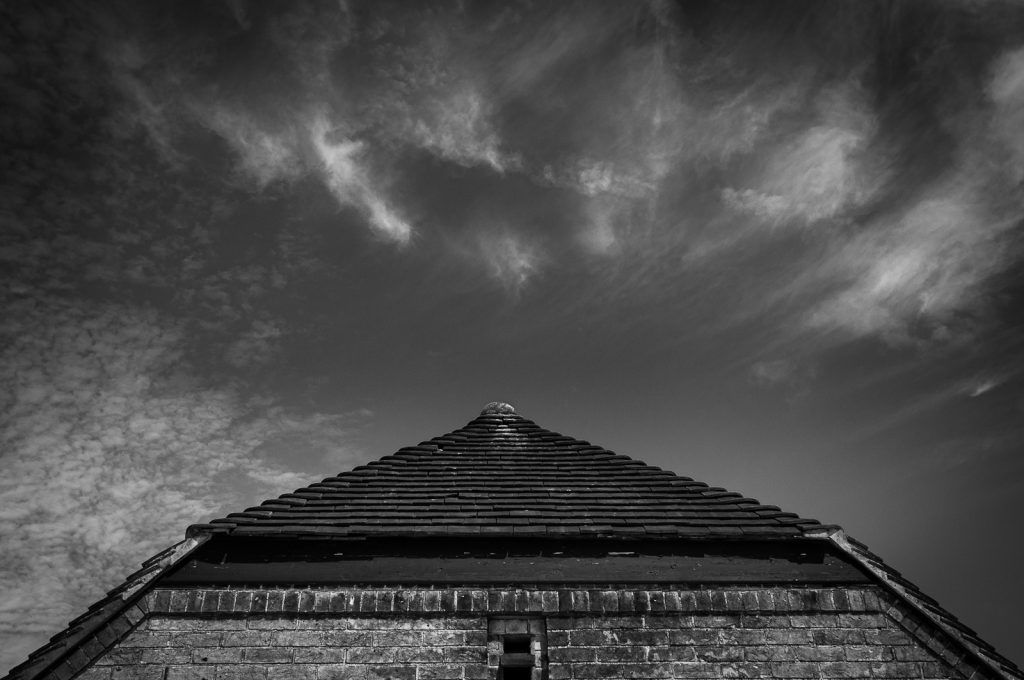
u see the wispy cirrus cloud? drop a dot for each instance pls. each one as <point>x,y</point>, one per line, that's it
<point>348,180</point>
<point>822,172</point>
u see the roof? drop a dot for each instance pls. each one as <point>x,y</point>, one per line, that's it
<point>503,475</point>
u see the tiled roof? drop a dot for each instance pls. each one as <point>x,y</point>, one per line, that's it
<point>503,475</point>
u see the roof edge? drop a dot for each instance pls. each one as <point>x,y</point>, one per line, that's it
<point>980,652</point>
<point>63,645</point>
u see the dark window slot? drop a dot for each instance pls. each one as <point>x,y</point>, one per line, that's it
<point>519,673</point>
<point>517,644</point>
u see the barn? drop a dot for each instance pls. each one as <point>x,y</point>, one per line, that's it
<point>505,551</point>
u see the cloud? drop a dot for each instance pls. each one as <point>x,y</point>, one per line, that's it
<point>456,126</point>
<point>912,276</point>
<point>112,445</point>
<point>264,156</point>
<point>350,183</point>
<point>821,172</point>
<point>1006,90</point>
<point>509,258</point>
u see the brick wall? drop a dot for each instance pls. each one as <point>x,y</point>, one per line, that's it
<point>279,648</point>
<point>821,645</point>
<point>443,634</point>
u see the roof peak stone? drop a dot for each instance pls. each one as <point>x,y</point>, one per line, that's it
<point>498,407</point>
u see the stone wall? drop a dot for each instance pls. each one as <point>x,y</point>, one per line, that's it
<point>278,648</point>
<point>451,634</point>
<point>820,645</point>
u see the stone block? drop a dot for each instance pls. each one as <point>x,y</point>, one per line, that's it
<point>215,655</point>
<point>243,601</point>
<point>838,636</point>
<point>388,672</point>
<point>246,638</point>
<point>319,655</point>
<point>439,672</point>
<point>769,653</point>
<point>850,669</point>
<point>692,670</point>
<point>291,672</point>
<point>559,671</point>
<point>868,653</point>
<point>672,653</point>
<point>348,638</point>
<point>586,638</point>
<point>744,670</point>
<point>627,670</point>
<point>267,655</point>
<point>781,636</point>
<point>572,654</point>
<point>396,638</point>
<point>166,655</point>
<point>370,655</point>
<point>743,636</point>
<point>886,636</point>
<point>694,636</point>
<point>621,654</point>
<point>225,601</point>
<point>190,672</point>
<point>818,653</point>
<point>241,672</point>
<point>723,653</point>
<point>797,669</point>
<point>194,639</point>
<point>137,672</point>
<point>475,672</point>
<point>907,669</point>
<point>476,655</point>
<point>299,638</point>
<point>441,638</point>
<point>340,671</point>
<point>419,654</point>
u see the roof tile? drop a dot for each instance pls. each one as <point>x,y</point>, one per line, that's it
<point>502,474</point>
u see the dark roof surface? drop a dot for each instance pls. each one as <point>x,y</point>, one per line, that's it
<point>503,475</point>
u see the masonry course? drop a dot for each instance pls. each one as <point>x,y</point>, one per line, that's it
<point>795,639</point>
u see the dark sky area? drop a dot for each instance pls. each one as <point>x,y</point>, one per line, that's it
<point>774,246</point>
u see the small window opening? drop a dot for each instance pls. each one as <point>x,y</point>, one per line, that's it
<point>517,673</point>
<point>517,644</point>
<point>517,647</point>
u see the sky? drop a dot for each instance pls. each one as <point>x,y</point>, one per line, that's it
<point>775,247</point>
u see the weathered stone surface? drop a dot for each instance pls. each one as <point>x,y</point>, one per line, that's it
<point>717,634</point>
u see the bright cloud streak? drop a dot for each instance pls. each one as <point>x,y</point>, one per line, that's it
<point>350,183</point>
<point>818,175</point>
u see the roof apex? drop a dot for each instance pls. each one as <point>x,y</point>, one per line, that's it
<point>496,407</point>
